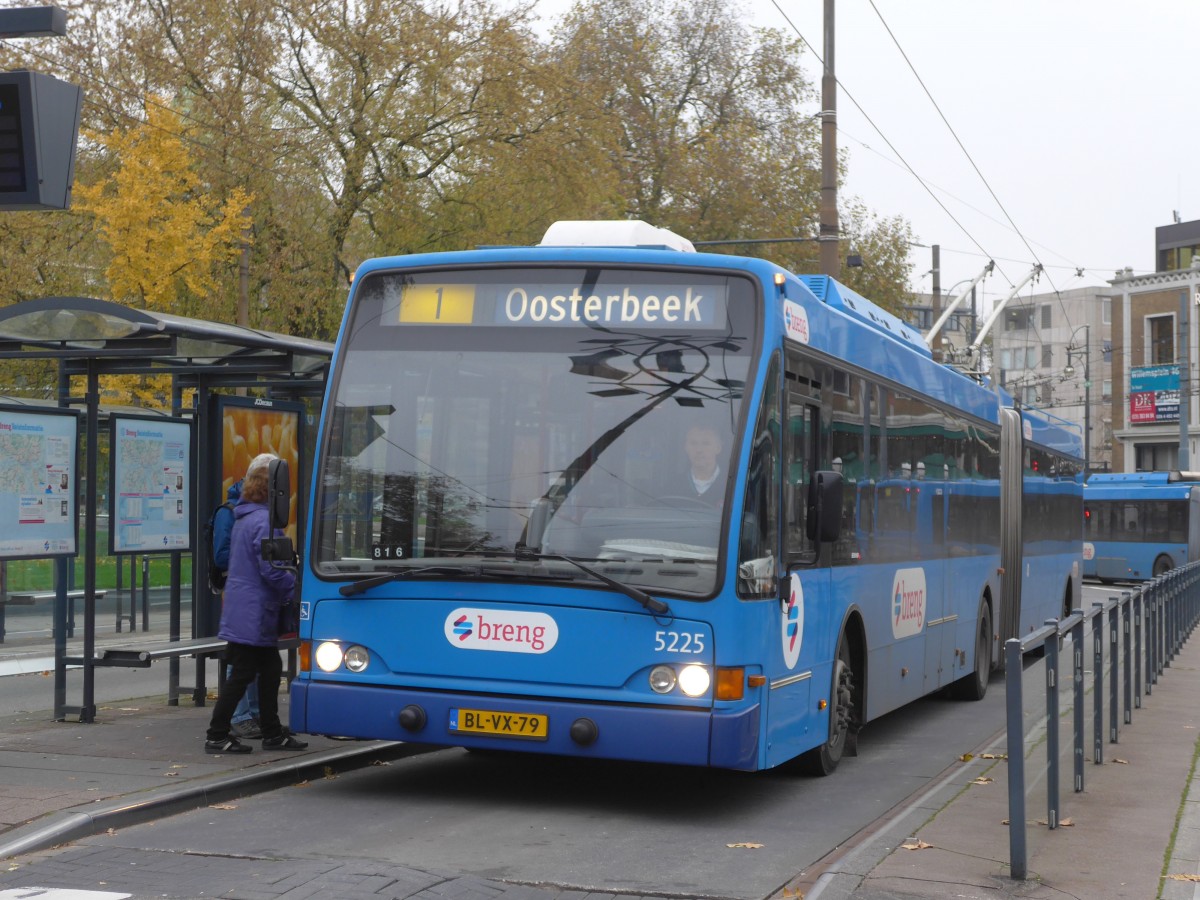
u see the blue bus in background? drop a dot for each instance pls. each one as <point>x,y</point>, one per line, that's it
<point>509,546</point>
<point>1140,525</point>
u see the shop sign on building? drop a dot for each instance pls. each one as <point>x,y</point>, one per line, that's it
<point>1153,395</point>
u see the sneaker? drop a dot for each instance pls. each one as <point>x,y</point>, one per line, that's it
<point>229,745</point>
<point>250,729</point>
<point>284,742</point>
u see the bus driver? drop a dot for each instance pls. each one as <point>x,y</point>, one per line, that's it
<point>704,479</point>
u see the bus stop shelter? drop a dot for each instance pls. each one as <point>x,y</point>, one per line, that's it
<point>90,338</point>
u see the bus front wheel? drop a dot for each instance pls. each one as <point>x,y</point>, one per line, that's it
<point>824,760</point>
<point>1162,566</point>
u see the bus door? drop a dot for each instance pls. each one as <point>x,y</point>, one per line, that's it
<point>913,440</point>
<point>799,626</point>
<point>940,620</point>
<point>1193,525</point>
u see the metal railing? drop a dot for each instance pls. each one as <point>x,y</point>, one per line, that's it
<point>1143,630</point>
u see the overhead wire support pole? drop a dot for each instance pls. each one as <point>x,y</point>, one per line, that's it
<point>828,242</point>
<point>991,320</point>
<point>933,332</point>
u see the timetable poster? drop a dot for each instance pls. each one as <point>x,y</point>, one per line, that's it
<point>151,469</point>
<point>38,471</point>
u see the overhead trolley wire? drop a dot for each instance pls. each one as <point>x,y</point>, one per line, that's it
<point>879,131</point>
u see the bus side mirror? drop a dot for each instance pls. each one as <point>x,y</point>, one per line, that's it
<point>279,493</point>
<point>279,498</point>
<point>824,506</point>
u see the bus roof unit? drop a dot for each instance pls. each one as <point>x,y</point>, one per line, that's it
<point>857,306</point>
<point>614,233</point>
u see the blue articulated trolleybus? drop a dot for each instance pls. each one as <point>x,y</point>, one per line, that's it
<point>511,546</point>
<point>1139,525</point>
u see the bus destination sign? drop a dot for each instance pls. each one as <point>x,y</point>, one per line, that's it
<point>565,305</point>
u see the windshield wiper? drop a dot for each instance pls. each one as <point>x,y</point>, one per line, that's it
<point>523,554</point>
<point>653,604</point>
<point>357,587</point>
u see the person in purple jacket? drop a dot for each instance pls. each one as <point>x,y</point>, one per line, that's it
<point>254,592</point>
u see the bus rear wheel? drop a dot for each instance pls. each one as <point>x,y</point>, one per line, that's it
<point>1162,566</point>
<point>974,686</point>
<point>824,760</point>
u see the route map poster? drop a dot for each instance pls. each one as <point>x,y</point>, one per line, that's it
<point>151,469</point>
<point>39,464</point>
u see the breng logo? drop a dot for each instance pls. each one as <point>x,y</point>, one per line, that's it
<point>908,602</point>
<point>792,623</point>
<point>507,631</point>
<point>795,321</point>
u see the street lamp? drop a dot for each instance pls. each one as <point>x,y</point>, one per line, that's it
<point>1069,370</point>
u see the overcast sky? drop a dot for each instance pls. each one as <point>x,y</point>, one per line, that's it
<point>1080,115</point>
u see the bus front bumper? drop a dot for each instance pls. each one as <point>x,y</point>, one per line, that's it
<point>697,737</point>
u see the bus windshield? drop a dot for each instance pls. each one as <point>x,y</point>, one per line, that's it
<point>588,413</point>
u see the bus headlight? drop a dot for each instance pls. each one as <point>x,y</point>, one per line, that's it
<point>662,679</point>
<point>357,658</point>
<point>694,680</point>
<point>328,656</point>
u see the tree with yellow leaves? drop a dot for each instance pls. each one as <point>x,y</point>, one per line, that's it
<point>167,235</point>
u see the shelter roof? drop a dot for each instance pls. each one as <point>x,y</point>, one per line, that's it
<point>134,341</point>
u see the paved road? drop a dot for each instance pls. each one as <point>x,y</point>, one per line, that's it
<point>573,824</point>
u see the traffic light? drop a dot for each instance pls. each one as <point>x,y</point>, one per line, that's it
<point>39,126</point>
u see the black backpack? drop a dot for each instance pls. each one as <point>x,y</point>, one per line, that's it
<point>216,575</point>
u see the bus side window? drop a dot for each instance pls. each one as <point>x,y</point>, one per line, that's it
<point>850,455</point>
<point>799,466</point>
<point>801,455</point>
<point>759,541</point>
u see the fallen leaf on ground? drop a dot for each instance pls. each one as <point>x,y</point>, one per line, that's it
<point>380,762</point>
<point>1121,762</point>
<point>993,756</point>
<point>744,845</point>
<point>966,757</point>
<point>982,779</point>
<point>1066,823</point>
<point>797,893</point>
<point>329,773</point>
<point>915,845</point>
<point>222,806</point>
<point>1187,877</point>
<point>111,831</point>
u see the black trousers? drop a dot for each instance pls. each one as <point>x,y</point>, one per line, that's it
<point>248,663</point>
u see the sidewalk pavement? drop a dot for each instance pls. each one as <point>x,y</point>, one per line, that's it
<point>139,760</point>
<point>1134,832</point>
